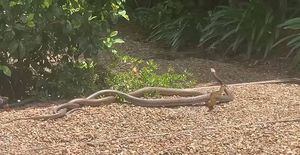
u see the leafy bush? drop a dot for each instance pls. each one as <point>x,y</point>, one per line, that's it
<point>163,11</point>
<point>237,26</point>
<point>144,74</point>
<point>36,36</point>
<point>177,32</point>
<point>69,80</point>
<point>173,22</point>
<point>234,28</point>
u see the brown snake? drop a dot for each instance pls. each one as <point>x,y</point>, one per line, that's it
<point>190,97</point>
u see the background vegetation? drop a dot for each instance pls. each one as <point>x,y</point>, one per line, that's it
<point>233,25</point>
<point>49,47</point>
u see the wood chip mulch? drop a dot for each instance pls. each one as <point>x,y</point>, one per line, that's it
<point>232,128</point>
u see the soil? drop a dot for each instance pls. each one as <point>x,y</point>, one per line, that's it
<point>237,127</point>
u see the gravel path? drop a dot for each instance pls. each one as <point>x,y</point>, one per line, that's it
<point>128,129</point>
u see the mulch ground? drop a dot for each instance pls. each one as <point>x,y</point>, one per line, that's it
<point>236,127</point>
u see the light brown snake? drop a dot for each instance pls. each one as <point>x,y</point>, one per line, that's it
<point>189,97</point>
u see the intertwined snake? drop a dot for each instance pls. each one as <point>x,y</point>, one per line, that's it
<point>188,97</point>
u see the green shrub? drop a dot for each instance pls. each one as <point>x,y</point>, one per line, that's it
<point>234,28</point>
<point>141,74</point>
<point>36,36</point>
<point>178,32</point>
<point>172,22</point>
<point>69,80</point>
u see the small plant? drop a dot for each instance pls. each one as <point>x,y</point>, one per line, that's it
<point>144,74</point>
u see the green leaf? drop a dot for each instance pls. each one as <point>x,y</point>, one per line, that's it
<point>92,17</point>
<point>268,47</point>
<point>30,17</point>
<point>31,24</point>
<point>113,33</point>
<point>294,41</point>
<point>232,32</point>
<point>296,47</point>
<point>123,14</point>
<point>237,42</point>
<point>291,24</point>
<point>119,41</point>
<point>284,39</point>
<point>68,27</point>
<point>296,59</point>
<point>14,3</point>
<point>114,51</point>
<point>5,70</point>
<point>47,3</point>
<point>30,20</point>
<point>21,50</point>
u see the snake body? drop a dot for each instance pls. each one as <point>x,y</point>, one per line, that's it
<point>188,97</point>
<point>193,100</point>
<point>191,97</point>
<point>91,101</point>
